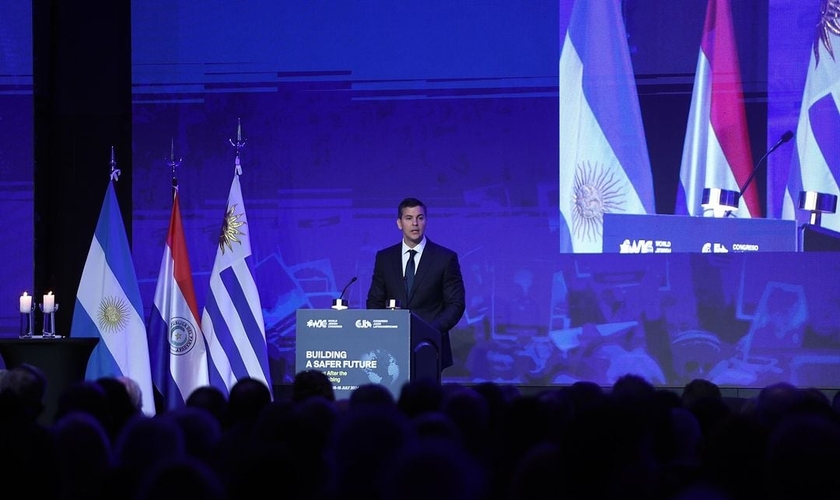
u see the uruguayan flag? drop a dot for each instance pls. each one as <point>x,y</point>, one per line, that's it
<point>233,321</point>
<point>815,165</point>
<point>604,165</point>
<point>108,306</point>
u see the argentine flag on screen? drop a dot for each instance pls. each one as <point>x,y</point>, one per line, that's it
<point>815,163</point>
<point>233,321</point>
<point>108,306</point>
<point>604,165</point>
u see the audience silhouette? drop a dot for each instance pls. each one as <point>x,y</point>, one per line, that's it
<point>486,441</point>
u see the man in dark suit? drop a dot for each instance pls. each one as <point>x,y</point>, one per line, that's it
<point>436,293</point>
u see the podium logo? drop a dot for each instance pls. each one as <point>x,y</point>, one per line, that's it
<point>714,248</point>
<point>363,323</point>
<point>636,246</point>
<point>316,323</point>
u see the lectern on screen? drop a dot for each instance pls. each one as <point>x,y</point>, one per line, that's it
<point>355,347</point>
<point>649,233</point>
<point>819,239</point>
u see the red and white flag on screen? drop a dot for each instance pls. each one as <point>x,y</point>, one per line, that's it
<point>716,152</point>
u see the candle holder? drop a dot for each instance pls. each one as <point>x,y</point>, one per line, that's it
<point>26,321</point>
<point>49,321</point>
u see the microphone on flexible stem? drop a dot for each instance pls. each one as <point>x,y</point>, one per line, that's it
<point>785,137</point>
<point>340,303</point>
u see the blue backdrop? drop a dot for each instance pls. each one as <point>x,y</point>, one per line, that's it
<point>348,107</point>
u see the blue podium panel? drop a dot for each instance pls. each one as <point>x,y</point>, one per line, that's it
<point>355,347</point>
<point>631,233</point>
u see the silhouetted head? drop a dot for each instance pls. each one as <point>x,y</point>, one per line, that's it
<point>309,383</point>
<point>247,397</point>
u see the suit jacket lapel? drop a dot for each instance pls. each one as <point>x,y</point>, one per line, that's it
<point>424,264</point>
<point>398,273</point>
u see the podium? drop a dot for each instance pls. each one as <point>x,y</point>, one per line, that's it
<point>355,347</point>
<point>63,361</point>
<point>649,233</point>
<point>819,239</point>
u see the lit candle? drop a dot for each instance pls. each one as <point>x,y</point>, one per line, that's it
<point>25,303</point>
<point>49,303</point>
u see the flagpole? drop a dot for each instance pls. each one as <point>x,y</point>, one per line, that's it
<point>238,145</point>
<point>173,165</point>
<point>115,172</point>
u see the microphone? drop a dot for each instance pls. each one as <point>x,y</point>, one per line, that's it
<point>341,303</point>
<point>785,138</point>
<point>347,286</point>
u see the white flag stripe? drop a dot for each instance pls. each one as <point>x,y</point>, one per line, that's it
<point>217,353</point>
<point>234,321</point>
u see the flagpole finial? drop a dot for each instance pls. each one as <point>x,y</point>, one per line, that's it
<point>115,172</point>
<point>173,165</point>
<point>238,145</point>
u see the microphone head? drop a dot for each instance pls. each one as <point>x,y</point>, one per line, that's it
<point>787,136</point>
<point>346,287</point>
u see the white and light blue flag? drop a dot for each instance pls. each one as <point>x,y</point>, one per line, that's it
<point>233,320</point>
<point>815,163</point>
<point>604,166</point>
<point>108,306</point>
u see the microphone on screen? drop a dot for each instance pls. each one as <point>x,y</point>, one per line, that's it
<point>785,138</point>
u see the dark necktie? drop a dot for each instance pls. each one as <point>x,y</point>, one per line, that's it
<point>409,272</point>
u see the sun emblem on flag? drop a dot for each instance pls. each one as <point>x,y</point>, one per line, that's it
<point>112,315</point>
<point>597,191</point>
<point>230,230</point>
<point>829,24</point>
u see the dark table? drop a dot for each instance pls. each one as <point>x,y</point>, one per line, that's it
<point>63,361</point>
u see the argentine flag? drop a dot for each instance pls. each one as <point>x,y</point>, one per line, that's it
<point>108,306</point>
<point>232,320</point>
<point>604,165</point>
<point>815,164</point>
<point>179,356</point>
